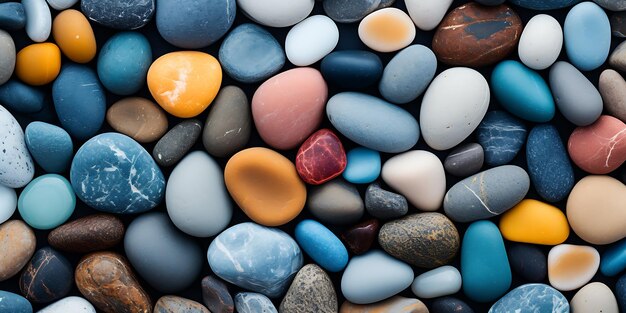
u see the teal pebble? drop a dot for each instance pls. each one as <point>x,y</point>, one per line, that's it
<point>51,146</point>
<point>613,260</point>
<point>47,201</point>
<point>123,63</point>
<point>14,303</point>
<point>363,166</point>
<point>322,245</point>
<point>522,91</point>
<point>587,36</point>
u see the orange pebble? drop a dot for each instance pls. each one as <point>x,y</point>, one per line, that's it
<point>535,222</point>
<point>38,64</point>
<point>74,35</point>
<point>387,30</point>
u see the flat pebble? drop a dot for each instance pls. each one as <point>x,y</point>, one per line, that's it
<point>7,48</point>
<point>442,281</point>
<point>587,33</point>
<point>69,304</point>
<point>427,14</point>
<point>22,98</point>
<point>594,297</point>
<point>576,97</point>
<point>38,64</point>
<point>215,295</point>
<point>351,69</point>
<point>321,245</point>
<point>396,304</point>
<point>450,305</point>
<point>321,157</point>
<point>613,260</point>
<point>229,123</point>
<point>51,146</point>
<point>123,63</point>
<point>38,20</point>
<point>612,87</point>
<point>175,304</point>
<point>74,36</point>
<point>571,267</point>
<point>119,15</point>
<point>311,289</point>
<point>17,242</point>
<point>360,237</point>
<point>351,11</point>
<point>138,118</point>
<point>310,40</point>
<point>532,298</point>
<point>47,201</point>
<point>541,42</point>
<point>598,148</point>
<point>387,30</point>
<point>175,144</point>
<point>87,234</point>
<point>363,166</point>
<point>408,74</point>
<point>528,261</point>
<point>14,303</point>
<point>12,16</point>
<point>464,160</point>
<point>501,136</point>
<point>544,5</point>
<point>9,203</point>
<point>336,202</point>
<point>384,204</point>
<point>14,174</point>
<point>47,277</point>
<point>250,302</point>
<point>276,13</point>
<point>535,222</point>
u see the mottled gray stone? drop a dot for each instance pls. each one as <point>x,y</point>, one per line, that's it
<point>250,302</point>
<point>336,202</point>
<point>128,14</point>
<point>311,291</point>
<point>575,96</point>
<point>532,298</point>
<point>465,160</point>
<point>228,125</point>
<point>384,204</point>
<point>612,5</point>
<point>176,142</point>
<point>349,11</point>
<point>408,74</point>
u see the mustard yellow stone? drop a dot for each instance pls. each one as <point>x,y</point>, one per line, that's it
<point>38,64</point>
<point>184,83</point>
<point>265,185</point>
<point>74,35</point>
<point>533,221</point>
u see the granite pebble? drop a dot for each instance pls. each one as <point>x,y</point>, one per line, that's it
<point>384,204</point>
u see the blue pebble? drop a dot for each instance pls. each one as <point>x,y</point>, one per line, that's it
<point>522,91</point>
<point>22,98</point>
<point>587,35</point>
<point>351,69</point>
<point>79,101</point>
<point>532,298</point>
<point>12,16</point>
<point>14,303</point>
<point>321,245</point>
<point>620,292</point>
<point>484,263</point>
<point>196,23</point>
<point>408,74</point>
<point>113,173</point>
<point>544,4</point>
<point>51,146</point>
<point>501,136</point>
<point>250,54</point>
<point>363,166</point>
<point>613,260</point>
<point>123,63</point>
<point>549,166</point>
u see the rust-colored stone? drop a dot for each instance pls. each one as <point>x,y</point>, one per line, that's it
<point>88,234</point>
<point>321,158</point>
<point>175,304</point>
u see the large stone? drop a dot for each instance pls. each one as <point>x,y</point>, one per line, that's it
<point>16,165</point>
<point>127,15</point>
<point>532,298</point>
<point>47,277</point>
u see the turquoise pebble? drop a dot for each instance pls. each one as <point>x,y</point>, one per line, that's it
<point>47,201</point>
<point>613,260</point>
<point>14,303</point>
<point>587,35</point>
<point>123,63</point>
<point>484,263</point>
<point>50,146</point>
<point>322,245</point>
<point>19,97</point>
<point>363,166</point>
<point>522,91</point>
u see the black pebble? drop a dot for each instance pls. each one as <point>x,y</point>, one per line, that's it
<point>47,277</point>
<point>450,305</point>
<point>528,261</point>
<point>177,142</point>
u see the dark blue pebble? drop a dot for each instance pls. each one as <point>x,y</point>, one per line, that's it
<point>50,146</point>
<point>620,292</point>
<point>352,69</point>
<point>528,261</point>
<point>126,15</point>
<point>450,305</point>
<point>544,4</point>
<point>12,16</point>
<point>19,97</point>
<point>14,303</point>
<point>490,2</point>
<point>501,135</point>
<point>613,260</point>
<point>47,277</point>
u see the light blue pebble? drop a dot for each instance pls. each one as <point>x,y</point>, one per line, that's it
<point>19,97</point>
<point>251,302</point>
<point>613,260</point>
<point>363,166</point>
<point>123,63</point>
<point>532,298</point>
<point>14,303</point>
<point>408,74</point>
<point>587,35</point>
<point>501,136</point>
<point>321,245</point>
<point>47,201</point>
<point>51,146</point>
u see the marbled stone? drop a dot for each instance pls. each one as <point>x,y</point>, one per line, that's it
<point>14,303</point>
<point>501,136</point>
<point>532,298</point>
<point>612,87</point>
<point>351,69</point>
<point>228,125</point>
<point>51,146</point>
<point>441,281</point>
<point>311,291</point>
<point>17,244</point>
<point>396,304</point>
<point>16,165</point>
<point>71,304</point>
<point>450,305</point>
<point>408,74</point>
<point>528,261</point>
<point>587,34</point>
<point>123,63</point>
<point>336,202</point>
<point>19,97</point>
<point>575,96</point>
<point>175,304</point>
<point>360,237</point>
<point>47,277</point>
<point>350,11</point>
<point>544,5</point>
<point>321,157</point>
<point>126,15</point>
<point>384,204</point>
<point>363,166</point>
<point>215,295</point>
<point>88,234</point>
<point>173,146</point>
<point>598,148</point>
<point>465,160</point>
<point>47,201</point>
<point>12,16</point>
<point>250,302</point>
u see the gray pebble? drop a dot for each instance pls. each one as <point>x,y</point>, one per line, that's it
<point>311,291</point>
<point>227,128</point>
<point>7,61</point>
<point>176,142</point>
<point>384,204</point>
<point>612,5</point>
<point>465,160</point>
<point>576,97</point>
<point>408,74</point>
<point>336,202</point>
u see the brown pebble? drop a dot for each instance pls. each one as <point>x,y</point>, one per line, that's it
<point>138,118</point>
<point>396,304</point>
<point>215,295</point>
<point>359,238</point>
<point>17,245</point>
<point>88,234</point>
<point>174,304</point>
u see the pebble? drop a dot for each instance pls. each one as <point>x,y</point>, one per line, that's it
<point>175,304</point>
<point>374,276</point>
<point>129,181</point>
<point>47,277</point>
<point>22,98</point>
<point>175,144</point>
<point>351,69</point>
<point>254,257</point>
<point>38,64</point>
<point>38,20</point>
<point>535,222</point>
<point>9,203</point>
<point>363,166</point>
<point>617,58</point>
<point>384,204</point>
<point>612,87</point>
<point>450,305</point>
<point>14,303</point>
<point>576,97</point>
<point>12,16</point>
<point>594,297</point>
<point>79,101</point>
<point>532,298</point>
<point>612,5</point>
<point>51,146</point>
<point>250,302</point>
<point>528,261</point>
<point>594,209</point>
<point>336,202</point>
<point>372,122</point>
<point>447,118</point>
<point>475,35</point>
<point>571,267</point>
<point>108,282</point>
<point>396,304</point>
<point>544,5</point>
<point>541,42</point>
<point>311,290</point>
<point>522,92</point>
<point>123,63</point>
<point>343,11</point>
<point>61,5</point>
<point>425,240</point>
<point>16,166</point>
<point>408,74</point>
<point>69,304</point>
<point>215,295</point>
<point>613,259</point>
<point>618,27</point>
<point>17,242</point>
<point>74,36</point>
<point>194,182</point>
<point>321,245</point>
<point>138,118</point>
<point>7,48</point>
<point>620,291</point>
<point>387,30</point>
<point>88,234</point>
<point>484,264</point>
<point>502,137</point>
<point>265,185</point>
<point>486,194</point>
<point>119,15</point>
<point>360,237</point>
<point>310,40</point>
<point>465,160</point>
<point>587,36</point>
<point>184,83</point>
<point>442,281</point>
<point>288,107</point>
<point>228,125</point>
<point>320,158</point>
<point>169,264</point>
<point>427,14</point>
<point>276,13</point>
<point>47,201</point>
<point>187,27</point>
<point>598,148</point>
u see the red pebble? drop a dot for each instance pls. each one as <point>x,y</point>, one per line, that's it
<point>321,158</point>
<point>599,148</point>
<point>359,238</point>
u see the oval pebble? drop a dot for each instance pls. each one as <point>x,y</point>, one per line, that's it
<point>87,234</point>
<point>387,30</point>
<point>47,201</point>
<point>613,260</point>
<point>51,146</point>
<point>173,146</point>
<point>535,222</point>
<point>60,5</point>
<point>594,297</point>
<point>228,125</point>
<point>38,20</point>
<point>465,160</point>
<point>576,97</point>
<point>14,303</point>
<point>7,48</point>
<point>74,36</point>
<point>123,63</point>
<point>17,242</point>
<point>69,304</point>
<point>528,261</point>
<point>570,266</point>
<point>442,281</point>
<point>384,204</point>
<point>215,295</point>
<point>363,166</point>
<point>587,33</point>
<point>13,174</point>
<point>9,203</point>
<point>343,11</point>
<point>598,148</point>
<point>311,288</point>
<point>617,57</point>
<point>12,16</point>
<point>38,64</point>
<point>138,118</point>
<point>251,302</point>
<point>310,40</point>
<point>178,304</point>
<point>336,202</point>
<point>532,298</point>
<point>21,98</point>
<point>396,304</point>
<point>612,87</point>
<point>47,277</point>
<point>408,74</point>
<point>320,158</point>
<point>541,42</point>
<point>276,13</point>
<point>360,237</point>
<point>427,14</point>
<point>351,69</point>
<point>501,136</point>
<point>119,15</point>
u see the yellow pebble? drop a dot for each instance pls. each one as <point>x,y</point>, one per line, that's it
<point>73,33</point>
<point>533,221</point>
<point>184,83</point>
<point>38,64</point>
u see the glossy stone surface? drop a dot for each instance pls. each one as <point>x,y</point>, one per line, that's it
<point>14,174</point>
<point>363,166</point>
<point>613,260</point>
<point>528,261</point>
<point>174,304</point>
<point>47,277</point>
<point>123,62</point>
<point>38,20</point>
<point>275,13</point>
<point>47,201</point>
<point>74,36</point>
<point>384,204</point>
<point>360,237</point>
<point>17,243</point>
<point>311,289</point>
<point>501,136</point>
<point>594,297</point>
<point>37,64</point>
<point>321,245</point>
<point>215,295</point>
<point>351,69</point>
<point>587,33</point>
<point>532,298</point>
<point>119,15</point>
<point>336,202</point>
<point>612,87</point>
<point>408,74</point>
<point>250,302</point>
<point>7,47</point>
<point>310,40</point>
<point>576,97</point>
<point>173,146</point>
<point>541,42</point>
<point>320,158</point>
<point>51,146</point>
<point>229,123</point>
<point>14,303</point>
<point>9,203</point>
<point>88,234</point>
<point>598,148</point>
<point>465,160</point>
<point>427,14</point>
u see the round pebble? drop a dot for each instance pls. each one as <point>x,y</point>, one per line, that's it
<point>387,30</point>
<point>408,74</point>
<point>250,302</point>
<point>598,148</point>
<point>537,297</point>
<point>612,87</point>
<point>11,302</point>
<point>594,297</point>
<point>535,222</point>
<point>47,277</point>
<point>9,203</point>
<point>7,48</point>
<point>587,34</point>
<point>351,69</point>
<point>360,237</point>
<point>576,97</point>
<point>427,14</point>
<point>138,118</point>
<point>541,41</point>
<point>51,146</point>
<point>123,63</point>
<point>173,146</point>
<point>384,204</point>
<point>310,40</point>
<point>442,281</point>
<point>336,202</point>
<point>47,201</point>
<point>38,64</point>
<point>276,13</point>
<point>613,260</point>
<point>73,34</point>
<point>464,160</point>
<point>16,166</point>
<point>228,125</point>
<point>320,158</point>
<point>17,241</point>
<point>311,288</point>
<point>570,266</point>
<point>38,20</point>
<point>363,166</point>
<point>501,136</point>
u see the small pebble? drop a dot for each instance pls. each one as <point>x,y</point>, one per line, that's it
<point>311,290</point>
<point>587,34</point>
<point>442,281</point>
<point>612,87</point>
<point>16,165</point>
<point>450,305</point>
<point>215,295</point>
<point>276,13</point>
<point>576,97</point>
<point>501,136</point>
<point>541,41</point>
<point>14,303</point>
<point>321,245</point>
<point>310,40</point>
<point>123,63</point>
<point>343,11</point>
<point>21,98</point>
<point>9,203</point>
<point>363,166</point>
<point>465,160</point>
<point>598,148</point>
<point>360,237</point>
<point>229,123</point>
<point>7,48</point>
<point>38,64</point>
<point>321,157</point>
<point>38,19</point>
<point>384,204</point>
<point>175,304</point>
<point>51,146</point>
<point>351,69</point>
<point>528,261</point>
<point>336,202</point>
<point>571,267</point>
<point>47,201</point>
<point>250,302</point>
<point>535,222</point>
<point>138,118</point>
<point>74,36</point>
<point>175,144</point>
<point>17,242</point>
<point>408,74</point>
<point>427,14</point>
<point>87,234</point>
<point>47,277</point>
<point>387,30</point>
